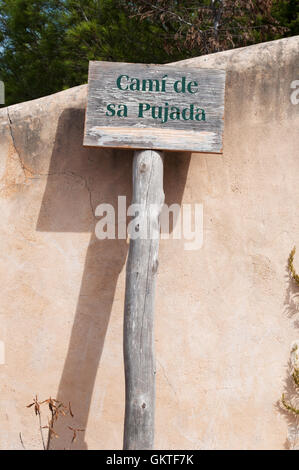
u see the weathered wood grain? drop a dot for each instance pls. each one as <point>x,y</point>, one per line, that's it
<point>133,131</point>
<point>141,274</point>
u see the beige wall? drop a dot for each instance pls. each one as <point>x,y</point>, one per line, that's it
<point>225,314</point>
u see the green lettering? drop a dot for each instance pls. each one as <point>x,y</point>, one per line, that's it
<point>165,119</point>
<point>148,83</point>
<point>135,84</point>
<point>122,110</point>
<point>185,115</point>
<point>175,113</point>
<point>110,109</point>
<point>157,115</point>
<point>118,82</point>
<point>180,85</point>
<point>143,107</point>
<point>190,85</point>
<point>163,87</point>
<point>200,114</point>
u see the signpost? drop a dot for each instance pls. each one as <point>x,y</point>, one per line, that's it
<point>151,107</point>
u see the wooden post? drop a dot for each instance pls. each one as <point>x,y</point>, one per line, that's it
<point>142,268</point>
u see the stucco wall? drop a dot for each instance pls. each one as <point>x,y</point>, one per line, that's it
<point>225,314</point>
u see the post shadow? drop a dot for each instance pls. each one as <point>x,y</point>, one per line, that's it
<point>104,174</point>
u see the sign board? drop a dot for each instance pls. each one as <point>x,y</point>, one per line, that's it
<point>158,107</point>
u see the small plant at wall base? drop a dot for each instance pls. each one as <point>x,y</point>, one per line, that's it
<point>57,410</point>
<point>291,405</point>
<point>295,375</point>
<point>292,270</point>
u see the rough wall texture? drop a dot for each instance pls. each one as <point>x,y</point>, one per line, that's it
<point>225,314</point>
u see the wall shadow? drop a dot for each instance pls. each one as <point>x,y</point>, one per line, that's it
<point>80,179</point>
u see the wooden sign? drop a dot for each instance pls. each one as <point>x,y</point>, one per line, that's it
<point>155,107</point>
<point>152,107</point>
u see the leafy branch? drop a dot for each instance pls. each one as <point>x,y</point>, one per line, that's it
<point>292,270</point>
<point>295,376</point>
<point>289,406</point>
<point>210,25</point>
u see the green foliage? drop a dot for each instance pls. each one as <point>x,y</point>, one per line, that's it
<point>103,30</point>
<point>295,376</point>
<point>286,13</point>
<point>289,406</point>
<point>294,359</point>
<point>45,45</point>
<point>207,26</point>
<point>31,36</point>
<point>292,270</point>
